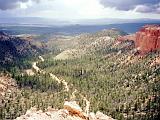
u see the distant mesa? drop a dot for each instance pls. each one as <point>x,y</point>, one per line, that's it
<point>147,39</point>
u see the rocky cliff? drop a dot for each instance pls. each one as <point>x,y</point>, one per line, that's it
<point>71,111</point>
<point>147,39</point>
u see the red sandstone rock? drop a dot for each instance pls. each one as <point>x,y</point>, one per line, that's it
<point>146,40</point>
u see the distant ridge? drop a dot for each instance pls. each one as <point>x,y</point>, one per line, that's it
<point>55,22</point>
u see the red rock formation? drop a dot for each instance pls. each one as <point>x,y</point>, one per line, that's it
<point>146,40</point>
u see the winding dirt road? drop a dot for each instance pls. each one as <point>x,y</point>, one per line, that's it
<point>60,81</point>
<point>54,77</point>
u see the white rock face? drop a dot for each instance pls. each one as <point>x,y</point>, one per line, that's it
<point>71,111</point>
<point>72,107</point>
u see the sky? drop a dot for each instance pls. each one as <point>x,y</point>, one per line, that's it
<point>81,9</point>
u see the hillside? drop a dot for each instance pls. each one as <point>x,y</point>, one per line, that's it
<point>87,43</point>
<point>12,49</point>
<point>7,86</point>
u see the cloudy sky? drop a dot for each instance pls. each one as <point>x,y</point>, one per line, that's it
<point>81,9</point>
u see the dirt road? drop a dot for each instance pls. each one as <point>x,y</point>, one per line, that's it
<point>54,77</point>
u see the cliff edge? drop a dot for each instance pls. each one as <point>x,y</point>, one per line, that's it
<point>147,39</point>
<point>71,111</point>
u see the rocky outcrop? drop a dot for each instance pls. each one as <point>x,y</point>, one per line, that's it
<point>146,40</point>
<point>71,111</point>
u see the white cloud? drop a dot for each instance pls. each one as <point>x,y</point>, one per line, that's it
<point>74,10</point>
<point>26,5</point>
<point>144,6</point>
<point>13,4</point>
<point>68,9</point>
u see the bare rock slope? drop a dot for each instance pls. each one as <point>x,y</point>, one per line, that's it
<point>71,111</point>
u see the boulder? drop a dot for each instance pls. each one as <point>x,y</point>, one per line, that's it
<point>72,107</point>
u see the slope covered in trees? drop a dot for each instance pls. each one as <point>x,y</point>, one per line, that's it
<point>111,75</point>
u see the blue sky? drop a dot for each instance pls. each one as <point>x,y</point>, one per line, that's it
<point>81,9</point>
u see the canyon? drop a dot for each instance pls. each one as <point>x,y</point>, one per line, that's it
<point>71,110</point>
